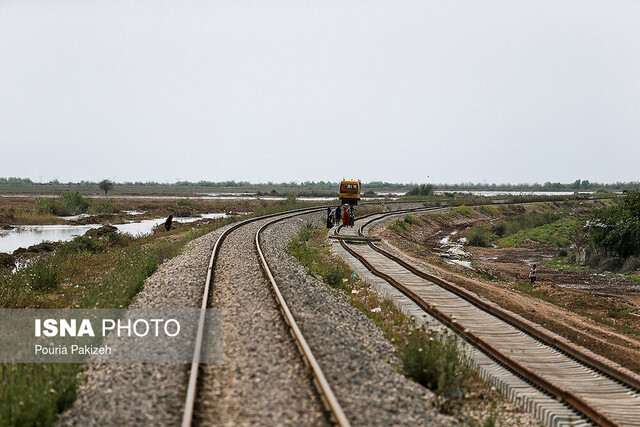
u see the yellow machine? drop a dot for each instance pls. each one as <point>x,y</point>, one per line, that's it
<point>350,192</point>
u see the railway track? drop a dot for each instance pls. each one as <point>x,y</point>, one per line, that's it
<point>332,406</point>
<point>592,390</point>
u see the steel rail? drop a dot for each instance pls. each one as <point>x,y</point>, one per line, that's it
<point>320,381</point>
<point>187,416</point>
<point>606,368</point>
<point>626,377</point>
<point>557,391</point>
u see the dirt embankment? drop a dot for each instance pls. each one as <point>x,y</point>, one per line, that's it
<point>597,311</point>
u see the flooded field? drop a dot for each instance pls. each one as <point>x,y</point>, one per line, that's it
<point>28,235</point>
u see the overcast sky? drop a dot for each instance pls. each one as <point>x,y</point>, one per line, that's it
<point>405,91</point>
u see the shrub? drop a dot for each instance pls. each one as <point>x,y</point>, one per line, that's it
<point>304,233</point>
<point>563,253</point>
<point>481,237</point>
<point>465,210</point>
<point>436,361</point>
<point>103,206</point>
<point>41,274</point>
<point>615,230</point>
<point>186,202</point>
<point>398,226</point>
<point>610,264</point>
<point>410,220</point>
<point>74,203</point>
<point>631,264</point>
<point>46,206</point>
<point>593,260</point>
<point>421,190</point>
<point>333,277</point>
<point>499,228</point>
<point>78,244</point>
<point>488,210</point>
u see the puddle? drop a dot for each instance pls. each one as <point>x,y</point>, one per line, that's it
<point>27,235</point>
<point>74,217</point>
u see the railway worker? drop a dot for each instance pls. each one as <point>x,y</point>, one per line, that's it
<point>352,214</point>
<point>532,274</point>
<point>329,218</point>
<point>338,215</point>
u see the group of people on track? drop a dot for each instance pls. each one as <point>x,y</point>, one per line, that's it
<point>344,213</point>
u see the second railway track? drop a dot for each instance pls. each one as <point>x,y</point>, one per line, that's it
<point>591,387</point>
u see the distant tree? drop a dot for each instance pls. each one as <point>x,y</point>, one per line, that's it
<point>106,185</point>
<point>615,230</point>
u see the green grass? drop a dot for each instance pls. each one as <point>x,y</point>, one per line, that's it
<point>315,260</point>
<point>481,237</point>
<point>557,234</point>
<point>102,274</point>
<point>402,224</point>
<point>436,361</point>
<point>534,291</point>
<point>32,394</point>
<point>565,264</point>
<point>465,210</point>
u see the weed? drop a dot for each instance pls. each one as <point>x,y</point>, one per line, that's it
<point>481,237</point>
<point>490,421</point>
<point>488,210</point>
<point>31,394</point>
<point>399,225</point>
<point>465,210</point>
<point>103,207</point>
<point>74,203</point>
<point>533,290</point>
<point>46,206</point>
<point>437,361</point>
<point>557,233</point>
<point>411,220</point>
<point>186,202</point>
<point>41,274</point>
<point>78,244</point>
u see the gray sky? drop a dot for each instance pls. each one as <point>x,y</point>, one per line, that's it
<point>404,91</point>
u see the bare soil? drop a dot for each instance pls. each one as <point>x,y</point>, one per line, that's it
<point>597,311</point>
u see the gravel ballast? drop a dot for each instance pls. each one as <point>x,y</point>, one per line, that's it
<point>263,379</point>
<point>359,363</point>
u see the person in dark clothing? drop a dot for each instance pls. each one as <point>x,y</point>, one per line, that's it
<point>352,215</point>
<point>329,218</point>
<point>167,223</point>
<point>338,215</point>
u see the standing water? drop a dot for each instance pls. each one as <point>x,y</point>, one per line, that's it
<point>28,235</point>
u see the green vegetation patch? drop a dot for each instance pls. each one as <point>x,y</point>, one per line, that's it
<point>402,224</point>
<point>557,233</point>
<point>465,210</point>
<point>32,394</point>
<point>435,360</point>
<point>438,362</point>
<point>534,291</point>
<point>83,273</point>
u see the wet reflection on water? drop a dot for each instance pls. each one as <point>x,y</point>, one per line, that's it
<point>28,235</point>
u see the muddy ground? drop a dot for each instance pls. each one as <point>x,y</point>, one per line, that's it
<point>598,311</point>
